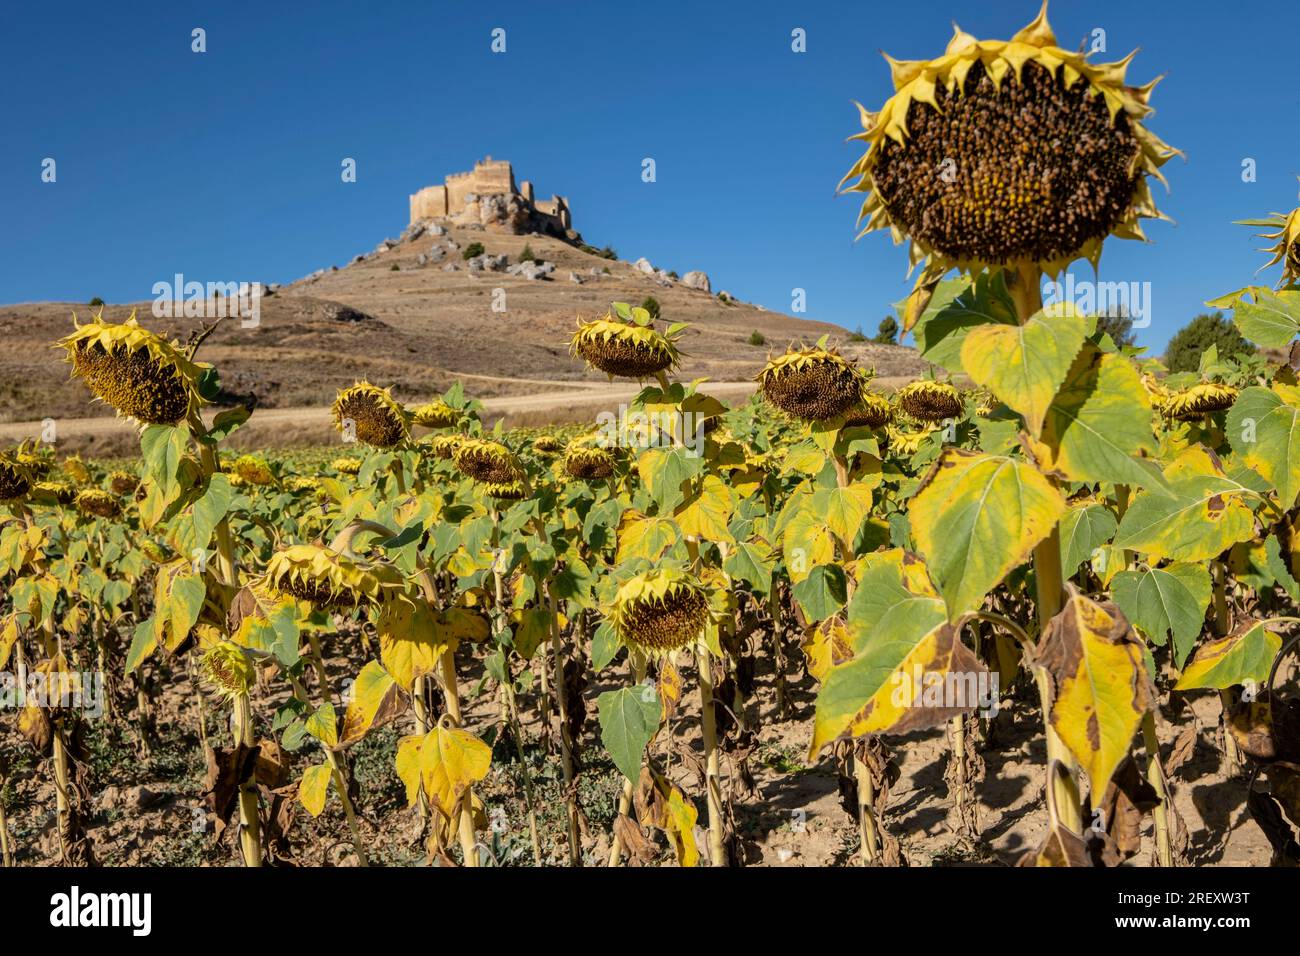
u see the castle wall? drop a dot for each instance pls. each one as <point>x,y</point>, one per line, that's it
<point>489,177</point>
<point>429,202</point>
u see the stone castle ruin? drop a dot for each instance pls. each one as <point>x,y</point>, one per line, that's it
<point>487,196</point>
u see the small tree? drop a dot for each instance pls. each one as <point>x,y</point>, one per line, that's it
<point>96,302</point>
<point>887,331</point>
<point>1183,354</point>
<point>472,250</point>
<point>1118,325</point>
<point>757,338</point>
<point>527,254</point>
<point>651,305</point>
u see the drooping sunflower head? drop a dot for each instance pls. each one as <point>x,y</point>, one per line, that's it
<point>370,415</point>
<point>509,491</point>
<point>39,460</point>
<point>16,479</point>
<point>872,411</point>
<point>76,469</point>
<point>811,385</point>
<point>1007,152</point>
<point>660,611</point>
<point>253,470</point>
<point>1286,243</point>
<point>140,374</point>
<point>93,502</point>
<point>327,579</point>
<point>228,669</point>
<point>906,442</point>
<point>626,348</point>
<point>488,462</point>
<point>1189,404</point>
<point>435,414</point>
<point>303,483</point>
<point>929,401</point>
<point>547,444</point>
<point>589,462</point>
<point>444,446</point>
<point>122,483</point>
<point>346,466</point>
<point>54,493</point>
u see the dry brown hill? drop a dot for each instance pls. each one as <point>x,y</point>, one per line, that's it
<point>423,327</point>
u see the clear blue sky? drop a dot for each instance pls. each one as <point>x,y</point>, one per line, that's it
<point>225,165</point>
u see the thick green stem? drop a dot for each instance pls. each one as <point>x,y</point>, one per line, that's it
<point>250,828</point>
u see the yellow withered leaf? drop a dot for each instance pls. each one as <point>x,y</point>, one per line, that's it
<point>314,788</point>
<point>706,512</point>
<point>1244,656</point>
<point>376,699</point>
<point>1101,685</point>
<point>643,537</point>
<point>679,822</point>
<point>442,764</point>
<point>408,644</point>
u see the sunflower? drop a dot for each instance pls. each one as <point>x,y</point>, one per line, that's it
<point>660,611</point>
<point>435,414</point>
<point>326,579</point>
<point>625,349</point>
<point>253,470</point>
<point>547,444</point>
<point>1189,404</point>
<point>811,385</point>
<point>872,411</point>
<point>155,551</point>
<point>99,504</point>
<point>444,446</point>
<point>303,483</point>
<point>54,493</point>
<point>140,374</point>
<point>377,419</point>
<point>1286,249</point>
<point>346,466</point>
<point>228,669</point>
<point>488,462</point>
<point>589,462</point>
<point>906,443</point>
<point>929,401</point>
<point>38,461</point>
<point>76,469</point>
<point>1008,152</point>
<point>508,491</point>
<point>15,478</point>
<point>123,484</point>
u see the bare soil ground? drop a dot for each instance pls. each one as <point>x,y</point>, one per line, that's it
<point>144,809</point>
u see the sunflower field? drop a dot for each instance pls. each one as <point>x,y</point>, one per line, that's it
<point>563,646</point>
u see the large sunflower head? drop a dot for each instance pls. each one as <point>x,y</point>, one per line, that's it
<point>624,343</point>
<point>660,611</point>
<point>1286,245</point>
<point>547,444</point>
<point>140,374</point>
<point>76,469</point>
<point>16,479</point>
<point>1189,404</point>
<point>589,462</point>
<point>488,462</point>
<point>346,466</point>
<point>377,419</point>
<point>327,579</point>
<point>508,491</point>
<point>1004,152</point>
<point>929,401</point>
<point>95,503</point>
<point>435,414</point>
<point>811,385</point>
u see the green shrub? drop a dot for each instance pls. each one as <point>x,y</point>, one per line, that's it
<point>1183,353</point>
<point>96,302</point>
<point>651,305</point>
<point>757,338</point>
<point>724,298</point>
<point>857,336</point>
<point>472,250</point>
<point>394,268</point>
<point>527,254</point>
